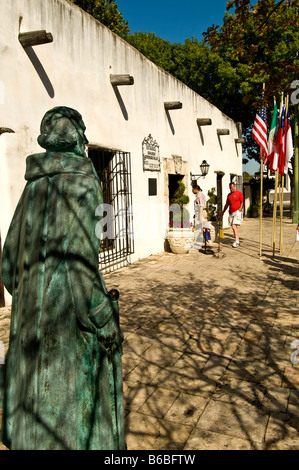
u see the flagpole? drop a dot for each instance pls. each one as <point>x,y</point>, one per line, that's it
<point>281,214</point>
<point>276,191</point>
<point>261,201</point>
<point>274,212</point>
<point>259,133</point>
<point>281,211</point>
<point>282,189</point>
<point>261,189</point>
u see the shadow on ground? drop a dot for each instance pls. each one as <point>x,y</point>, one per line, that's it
<point>207,349</point>
<point>207,360</point>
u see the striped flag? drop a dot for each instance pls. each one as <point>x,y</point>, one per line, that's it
<point>272,136</point>
<point>259,132</point>
<point>276,154</point>
<point>288,142</point>
<point>280,141</point>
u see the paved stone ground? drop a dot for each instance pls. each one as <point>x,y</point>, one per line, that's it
<point>207,350</point>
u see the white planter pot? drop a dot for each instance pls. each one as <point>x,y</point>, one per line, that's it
<point>180,240</point>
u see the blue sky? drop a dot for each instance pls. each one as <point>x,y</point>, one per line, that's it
<point>173,20</point>
<point>176,20</point>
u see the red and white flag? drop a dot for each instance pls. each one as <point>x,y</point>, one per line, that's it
<point>288,142</point>
<point>272,136</point>
<point>280,141</point>
<point>259,132</point>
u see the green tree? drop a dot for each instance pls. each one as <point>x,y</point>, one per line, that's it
<point>256,44</point>
<point>158,50</point>
<point>212,205</point>
<point>264,38</point>
<point>180,219</point>
<point>105,11</point>
<point>214,77</point>
<point>246,177</point>
<point>196,65</point>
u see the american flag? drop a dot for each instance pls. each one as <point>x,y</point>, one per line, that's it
<point>259,131</point>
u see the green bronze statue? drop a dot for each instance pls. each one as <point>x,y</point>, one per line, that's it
<point>62,377</point>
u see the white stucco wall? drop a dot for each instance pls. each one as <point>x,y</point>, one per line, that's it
<point>74,70</point>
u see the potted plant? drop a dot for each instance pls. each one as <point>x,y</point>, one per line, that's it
<point>211,205</point>
<point>180,234</point>
<point>211,208</point>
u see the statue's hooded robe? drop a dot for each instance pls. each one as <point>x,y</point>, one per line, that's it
<point>62,373</point>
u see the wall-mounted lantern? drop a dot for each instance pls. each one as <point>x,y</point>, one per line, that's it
<point>204,168</point>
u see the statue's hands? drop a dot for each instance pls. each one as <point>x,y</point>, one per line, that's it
<point>105,318</point>
<point>110,335</point>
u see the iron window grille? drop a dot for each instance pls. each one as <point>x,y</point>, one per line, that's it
<point>114,170</point>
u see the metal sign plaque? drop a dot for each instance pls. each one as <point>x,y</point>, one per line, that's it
<point>151,154</point>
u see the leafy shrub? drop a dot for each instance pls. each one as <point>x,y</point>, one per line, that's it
<point>253,211</point>
<point>182,219</point>
<point>211,205</point>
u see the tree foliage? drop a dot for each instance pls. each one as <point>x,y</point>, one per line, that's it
<point>264,38</point>
<point>105,11</point>
<point>181,218</point>
<point>204,70</point>
<point>156,49</point>
<point>247,177</point>
<point>256,44</point>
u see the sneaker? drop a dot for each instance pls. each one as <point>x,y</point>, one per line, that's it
<point>236,244</point>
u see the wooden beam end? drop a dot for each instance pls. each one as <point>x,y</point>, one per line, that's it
<point>222,131</point>
<point>204,121</point>
<point>125,79</point>
<point>35,38</point>
<point>168,105</point>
